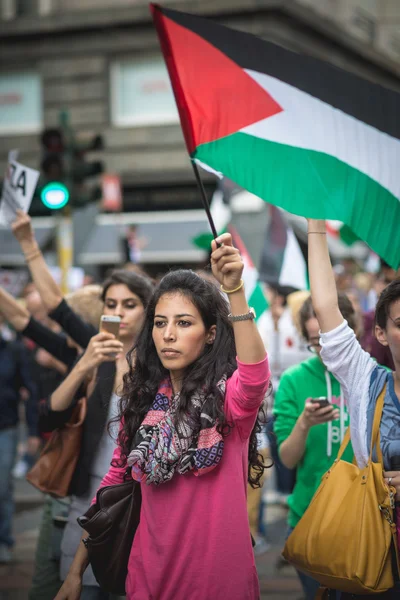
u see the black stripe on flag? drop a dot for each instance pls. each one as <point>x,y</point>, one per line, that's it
<point>370,103</point>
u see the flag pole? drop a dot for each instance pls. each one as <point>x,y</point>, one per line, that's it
<point>204,199</point>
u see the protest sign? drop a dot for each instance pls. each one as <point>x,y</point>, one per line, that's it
<point>18,188</point>
<point>13,155</point>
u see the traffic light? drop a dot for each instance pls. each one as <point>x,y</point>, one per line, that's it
<point>54,195</point>
<point>64,171</point>
<point>52,189</point>
<point>82,168</point>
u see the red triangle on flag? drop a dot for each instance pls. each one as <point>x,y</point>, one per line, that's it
<point>215,96</point>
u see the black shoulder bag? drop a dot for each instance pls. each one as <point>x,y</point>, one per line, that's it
<point>111,524</point>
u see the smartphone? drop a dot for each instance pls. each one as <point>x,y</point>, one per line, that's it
<point>322,401</point>
<point>110,324</point>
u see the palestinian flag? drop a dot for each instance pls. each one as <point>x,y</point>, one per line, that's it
<point>253,288</point>
<point>295,131</point>
<point>341,232</point>
<point>282,264</point>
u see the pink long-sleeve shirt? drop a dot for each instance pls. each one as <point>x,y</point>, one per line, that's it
<point>193,541</point>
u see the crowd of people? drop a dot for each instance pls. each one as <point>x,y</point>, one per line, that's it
<point>197,401</point>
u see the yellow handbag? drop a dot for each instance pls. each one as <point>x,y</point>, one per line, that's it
<point>347,539</point>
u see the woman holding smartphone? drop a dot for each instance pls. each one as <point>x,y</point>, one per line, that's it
<point>98,375</point>
<point>311,419</point>
<point>100,370</point>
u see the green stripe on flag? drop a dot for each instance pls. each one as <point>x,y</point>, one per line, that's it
<point>347,236</point>
<point>258,301</point>
<point>312,184</point>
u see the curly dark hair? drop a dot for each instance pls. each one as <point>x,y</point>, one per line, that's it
<point>146,370</point>
<point>138,284</point>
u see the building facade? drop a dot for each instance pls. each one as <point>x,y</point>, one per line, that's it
<point>100,61</point>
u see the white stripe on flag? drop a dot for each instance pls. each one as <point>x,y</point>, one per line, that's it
<point>307,122</point>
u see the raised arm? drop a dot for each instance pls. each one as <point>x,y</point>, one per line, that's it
<point>14,313</point>
<point>102,347</point>
<point>227,267</point>
<point>79,330</point>
<point>48,289</point>
<point>18,316</point>
<point>322,280</point>
<point>341,352</point>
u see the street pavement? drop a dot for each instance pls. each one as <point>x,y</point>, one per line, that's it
<point>276,582</point>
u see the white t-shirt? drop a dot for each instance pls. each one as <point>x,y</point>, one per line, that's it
<point>285,347</point>
<point>107,443</point>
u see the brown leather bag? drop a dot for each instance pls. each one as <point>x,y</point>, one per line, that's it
<point>52,473</point>
<point>111,524</point>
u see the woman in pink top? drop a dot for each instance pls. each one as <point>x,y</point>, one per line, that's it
<point>197,380</point>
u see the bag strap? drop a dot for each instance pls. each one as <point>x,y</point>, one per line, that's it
<point>344,444</point>
<point>80,412</point>
<point>375,436</point>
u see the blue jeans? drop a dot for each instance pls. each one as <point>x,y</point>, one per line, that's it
<point>310,586</point>
<point>8,452</point>
<point>393,594</point>
<point>285,478</point>
<point>92,592</point>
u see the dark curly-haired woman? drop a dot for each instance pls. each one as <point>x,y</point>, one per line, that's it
<point>189,414</point>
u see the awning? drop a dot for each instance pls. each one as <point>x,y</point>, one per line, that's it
<point>167,237</point>
<point>10,251</point>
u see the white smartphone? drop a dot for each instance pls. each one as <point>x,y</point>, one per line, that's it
<point>110,324</point>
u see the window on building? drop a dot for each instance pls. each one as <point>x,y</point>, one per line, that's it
<point>7,10</point>
<point>26,7</point>
<point>13,9</point>
<point>21,110</point>
<point>141,93</point>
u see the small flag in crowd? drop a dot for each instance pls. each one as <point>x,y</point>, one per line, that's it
<point>293,130</point>
<point>254,292</point>
<point>221,215</point>
<point>282,261</point>
<point>340,231</point>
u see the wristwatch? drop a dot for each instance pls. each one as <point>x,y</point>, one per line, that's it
<point>251,315</point>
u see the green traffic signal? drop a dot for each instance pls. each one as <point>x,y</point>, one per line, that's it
<point>54,195</point>
<point>64,168</point>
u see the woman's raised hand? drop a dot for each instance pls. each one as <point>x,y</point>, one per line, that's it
<point>103,347</point>
<point>226,262</point>
<point>22,228</point>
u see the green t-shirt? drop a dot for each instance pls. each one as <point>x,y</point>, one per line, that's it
<point>307,380</point>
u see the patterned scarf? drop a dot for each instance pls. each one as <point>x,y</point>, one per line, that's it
<point>162,448</point>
